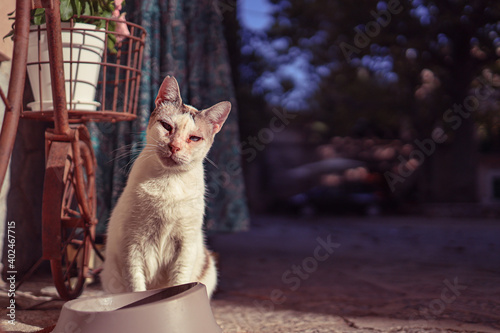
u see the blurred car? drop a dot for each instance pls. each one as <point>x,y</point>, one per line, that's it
<point>354,198</point>
<point>337,185</point>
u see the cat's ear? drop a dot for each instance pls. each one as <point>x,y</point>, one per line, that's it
<point>217,115</point>
<point>169,92</point>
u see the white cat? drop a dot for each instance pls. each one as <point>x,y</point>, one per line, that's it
<point>155,236</point>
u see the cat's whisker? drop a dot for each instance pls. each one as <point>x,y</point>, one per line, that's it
<point>131,162</point>
<point>148,152</point>
<point>129,146</point>
<point>121,156</point>
<point>212,162</point>
<point>156,140</point>
<point>122,152</point>
<point>148,156</point>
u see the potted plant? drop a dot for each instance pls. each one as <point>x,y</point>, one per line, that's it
<point>83,40</point>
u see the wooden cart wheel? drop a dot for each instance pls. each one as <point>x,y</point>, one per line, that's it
<point>77,219</point>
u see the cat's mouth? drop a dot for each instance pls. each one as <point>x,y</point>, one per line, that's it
<point>167,158</point>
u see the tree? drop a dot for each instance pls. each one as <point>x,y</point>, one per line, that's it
<point>393,63</point>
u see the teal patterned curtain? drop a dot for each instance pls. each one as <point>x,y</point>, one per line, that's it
<point>184,39</point>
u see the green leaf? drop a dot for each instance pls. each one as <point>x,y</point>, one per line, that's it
<point>39,16</point>
<point>10,34</point>
<point>111,43</point>
<point>106,14</point>
<point>66,10</point>
<point>87,9</point>
<point>78,7</point>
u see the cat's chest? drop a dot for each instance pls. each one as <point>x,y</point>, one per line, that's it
<point>170,194</point>
<point>170,188</point>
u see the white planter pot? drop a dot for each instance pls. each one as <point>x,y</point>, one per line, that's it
<point>88,46</point>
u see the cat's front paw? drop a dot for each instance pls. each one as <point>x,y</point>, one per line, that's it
<point>137,288</point>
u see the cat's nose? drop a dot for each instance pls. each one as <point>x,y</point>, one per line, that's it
<point>173,148</point>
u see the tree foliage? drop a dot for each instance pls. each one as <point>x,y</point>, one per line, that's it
<point>369,56</point>
<point>397,69</point>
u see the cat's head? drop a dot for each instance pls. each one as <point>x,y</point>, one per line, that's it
<point>182,135</point>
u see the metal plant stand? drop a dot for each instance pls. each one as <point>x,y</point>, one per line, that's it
<point>69,199</point>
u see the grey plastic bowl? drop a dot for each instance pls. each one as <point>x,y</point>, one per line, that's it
<point>180,309</point>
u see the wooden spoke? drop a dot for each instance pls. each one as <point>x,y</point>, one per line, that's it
<point>76,221</point>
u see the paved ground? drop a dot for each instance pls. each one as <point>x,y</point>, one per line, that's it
<point>341,274</point>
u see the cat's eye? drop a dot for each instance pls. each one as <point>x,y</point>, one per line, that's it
<point>194,138</point>
<point>166,125</point>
